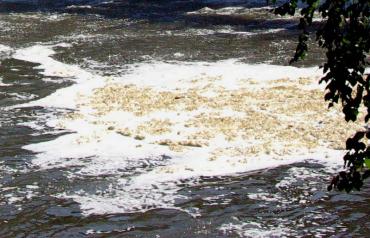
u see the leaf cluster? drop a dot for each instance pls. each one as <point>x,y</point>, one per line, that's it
<point>344,34</point>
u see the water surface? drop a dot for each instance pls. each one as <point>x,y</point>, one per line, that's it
<point>106,40</point>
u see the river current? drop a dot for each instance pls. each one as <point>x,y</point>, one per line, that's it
<point>166,119</point>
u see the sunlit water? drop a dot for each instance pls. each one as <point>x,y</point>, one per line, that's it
<point>108,189</point>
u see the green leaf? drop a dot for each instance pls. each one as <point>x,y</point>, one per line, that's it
<point>367,163</point>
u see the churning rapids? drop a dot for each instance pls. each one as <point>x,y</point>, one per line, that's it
<point>166,119</point>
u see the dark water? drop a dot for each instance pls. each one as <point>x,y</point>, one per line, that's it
<point>287,201</point>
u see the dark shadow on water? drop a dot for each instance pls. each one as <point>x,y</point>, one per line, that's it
<point>149,10</point>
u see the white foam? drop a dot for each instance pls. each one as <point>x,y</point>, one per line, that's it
<point>4,84</point>
<point>5,51</point>
<point>255,229</point>
<point>79,7</point>
<point>170,76</point>
<point>152,171</point>
<point>234,11</point>
<point>41,54</point>
<point>224,30</point>
<point>262,13</point>
<point>4,48</point>
<point>63,98</point>
<point>21,96</point>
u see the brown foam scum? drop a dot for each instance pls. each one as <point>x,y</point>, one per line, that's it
<point>279,117</point>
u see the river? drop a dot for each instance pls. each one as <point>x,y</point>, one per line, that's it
<point>166,119</point>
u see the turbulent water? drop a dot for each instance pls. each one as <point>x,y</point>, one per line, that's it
<point>164,119</point>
